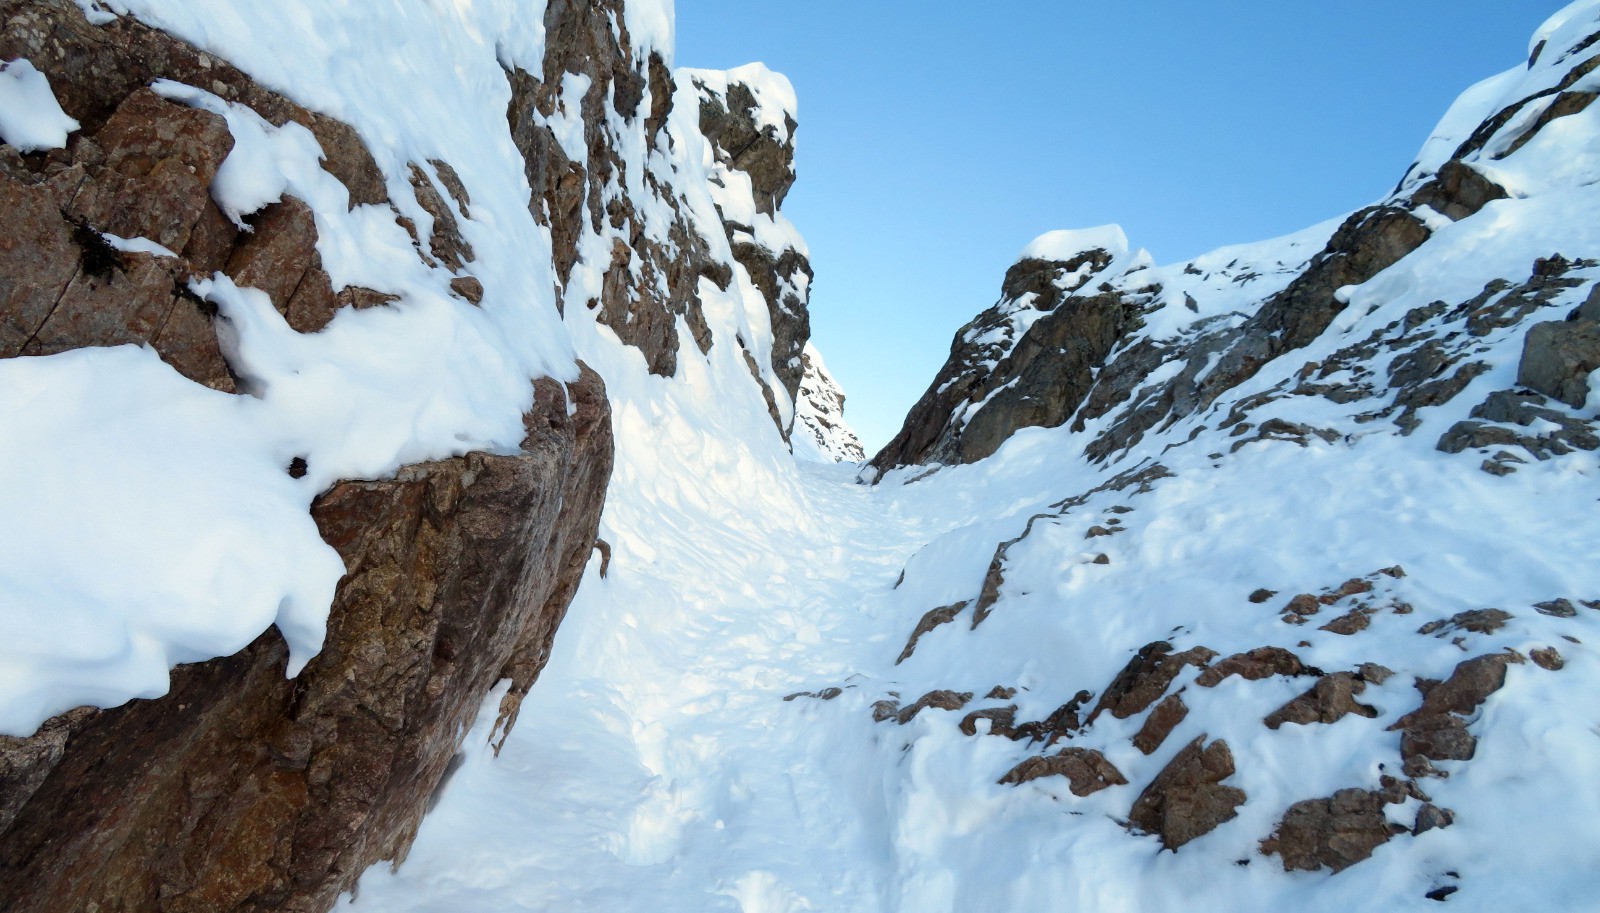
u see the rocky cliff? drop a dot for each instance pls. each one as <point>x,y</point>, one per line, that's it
<point>819,414</point>
<point>271,777</point>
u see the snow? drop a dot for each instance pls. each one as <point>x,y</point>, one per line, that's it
<point>102,435</point>
<point>30,117</point>
<point>1062,245</point>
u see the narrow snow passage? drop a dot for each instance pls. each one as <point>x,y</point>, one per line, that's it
<point>656,765</point>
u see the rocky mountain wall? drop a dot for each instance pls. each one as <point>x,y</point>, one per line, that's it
<point>242,788</point>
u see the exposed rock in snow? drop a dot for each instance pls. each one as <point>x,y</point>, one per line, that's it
<point>747,115</point>
<point>820,429</point>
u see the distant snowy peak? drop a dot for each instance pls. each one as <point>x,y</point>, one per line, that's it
<point>821,432</point>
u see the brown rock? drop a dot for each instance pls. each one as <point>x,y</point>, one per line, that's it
<point>1557,608</point>
<point>1160,723</point>
<point>931,620</point>
<point>468,287</point>
<point>1146,677</point>
<point>1474,621</point>
<point>155,178</point>
<point>1061,723</point>
<point>1352,622</point>
<point>1187,799</point>
<point>1352,587</point>
<point>445,242</point>
<point>885,710</point>
<point>1336,832</point>
<point>37,260</point>
<point>1468,686</point>
<point>1374,673</point>
<point>274,255</point>
<point>126,304</point>
<point>1002,721</point>
<point>1087,771</point>
<point>1262,595</point>
<point>1557,358</point>
<point>1255,665</point>
<point>1548,658</point>
<point>1458,191</point>
<point>313,303</point>
<point>1304,604</point>
<point>1328,701</point>
<point>242,790</point>
<point>93,68</point>
<point>1436,731</point>
<point>939,700</point>
<point>1432,817</point>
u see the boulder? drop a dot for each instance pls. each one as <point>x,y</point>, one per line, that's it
<point>1336,832</point>
<point>1087,771</point>
<point>1187,799</point>
<point>1557,358</point>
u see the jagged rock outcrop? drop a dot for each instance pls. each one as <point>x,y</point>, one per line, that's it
<point>819,423</point>
<point>645,284</point>
<point>752,136</point>
<point>243,789</point>
<point>1026,362</point>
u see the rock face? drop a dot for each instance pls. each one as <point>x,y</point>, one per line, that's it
<point>242,789</point>
<point>735,118</point>
<point>246,790</point>
<point>819,422</point>
<point>1027,361</point>
<point>649,285</point>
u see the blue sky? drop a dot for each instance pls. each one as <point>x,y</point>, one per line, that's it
<point>937,138</point>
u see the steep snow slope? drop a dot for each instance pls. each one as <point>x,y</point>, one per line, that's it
<point>1289,608</point>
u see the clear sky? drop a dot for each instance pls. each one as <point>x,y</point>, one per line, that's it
<point>937,138</point>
